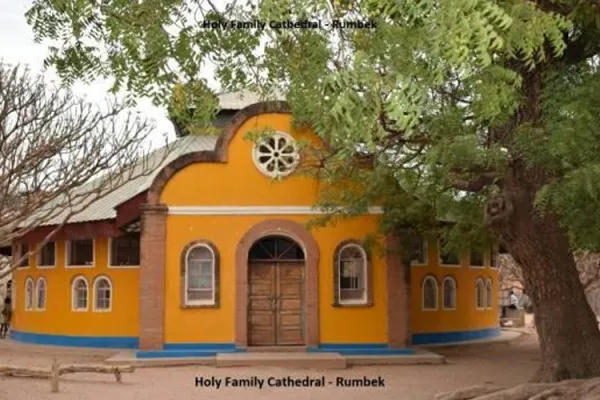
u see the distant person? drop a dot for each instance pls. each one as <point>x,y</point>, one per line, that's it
<point>5,317</point>
<point>514,303</point>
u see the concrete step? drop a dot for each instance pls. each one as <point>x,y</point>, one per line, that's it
<point>291,360</point>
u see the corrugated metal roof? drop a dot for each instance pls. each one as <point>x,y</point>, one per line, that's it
<point>239,100</point>
<point>104,207</point>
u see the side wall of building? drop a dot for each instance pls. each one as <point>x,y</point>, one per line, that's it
<point>58,323</point>
<point>466,321</point>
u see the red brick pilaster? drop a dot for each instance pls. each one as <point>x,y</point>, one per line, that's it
<point>398,294</point>
<point>152,276</point>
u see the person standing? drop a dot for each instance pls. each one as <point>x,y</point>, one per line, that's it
<point>514,303</point>
<point>5,317</point>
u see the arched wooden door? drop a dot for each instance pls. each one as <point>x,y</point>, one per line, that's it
<point>276,292</point>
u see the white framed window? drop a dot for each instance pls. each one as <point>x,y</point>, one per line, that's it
<point>276,155</point>
<point>124,251</point>
<point>449,293</point>
<point>418,251</point>
<point>494,256</point>
<point>102,294</point>
<point>477,258</point>
<point>21,250</point>
<point>479,294</point>
<point>79,294</point>
<point>199,276</point>
<point>448,258</point>
<point>352,274</point>
<point>79,253</point>
<point>29,294</point>
<point>46,257</point>
<point>40,294</point>
<point>429,294</point>
<point>488,293</point>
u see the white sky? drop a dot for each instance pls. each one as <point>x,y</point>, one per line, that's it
<point>17,46</point>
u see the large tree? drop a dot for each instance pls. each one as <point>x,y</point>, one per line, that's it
<point>59,153</point>
<point>483,110</point>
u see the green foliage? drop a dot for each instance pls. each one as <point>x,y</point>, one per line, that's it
<point>437,91</point>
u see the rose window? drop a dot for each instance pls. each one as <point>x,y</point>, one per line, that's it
<point>276,155</point>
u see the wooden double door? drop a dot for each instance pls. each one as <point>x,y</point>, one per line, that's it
<point>276,303</point>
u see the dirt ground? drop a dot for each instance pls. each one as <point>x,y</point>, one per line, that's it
<point>505,363</point>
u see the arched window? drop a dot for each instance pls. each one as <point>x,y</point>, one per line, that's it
<point>40,294</point>
<point>449,293</point>
<point>488,293</point>
<point>29,294</point>
<point>102,294</point>
<point>480,294</point>
<point>79,294</point>
<point>200,276</point>
<point>351,275</point>
<point>430,288</point>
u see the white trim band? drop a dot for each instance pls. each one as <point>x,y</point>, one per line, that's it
<point>254,210</point>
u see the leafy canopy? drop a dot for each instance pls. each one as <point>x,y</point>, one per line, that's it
<point>428,95</point>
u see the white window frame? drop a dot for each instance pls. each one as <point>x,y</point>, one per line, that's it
<point>37,293</point>
<point>212,301</point>
<point>437,297</point>
<point>439,252</point>
<point>425,244</point>
<point>489,282</point>
<point>29,295</point>
<point>95,295</point>
<point>493,249</point>
<point>479,281</point>
<point>454,294</point>
<point>365,298</point>
<point>19,250</point>
<point>87,294</point>
<point>39,257</point>
<point>110,265</point>
<point>68,255</point>
<point>477,266</point>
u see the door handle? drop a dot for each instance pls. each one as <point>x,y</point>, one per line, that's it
<point>274,302</point>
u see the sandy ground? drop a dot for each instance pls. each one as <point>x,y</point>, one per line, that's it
<point>507,363</point>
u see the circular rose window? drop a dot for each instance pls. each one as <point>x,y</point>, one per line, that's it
<point>276,155</point>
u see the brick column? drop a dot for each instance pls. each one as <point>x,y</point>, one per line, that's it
<point>398,294</point>
<point>152,276</point>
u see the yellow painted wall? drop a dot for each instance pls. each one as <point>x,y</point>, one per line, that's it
<point>217,325</point>
<point>466,316</point>
<point>59,319</point>
<point>240,183</point>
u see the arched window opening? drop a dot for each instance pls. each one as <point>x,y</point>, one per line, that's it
<point>40,294</point>
<point>29,294</point>
<point>480,294</point>
<point>352,274</point>
<point>102,294</point>
<point>430,287</point>
<point>449,293</point>
<point>80,294</point>
<point>200,275</point>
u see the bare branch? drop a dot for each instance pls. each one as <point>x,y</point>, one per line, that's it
<point>58,154</point>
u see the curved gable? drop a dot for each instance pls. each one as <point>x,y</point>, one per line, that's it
<point>228,175</point>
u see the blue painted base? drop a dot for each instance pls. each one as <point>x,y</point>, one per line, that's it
<point>356,349</point>
<point>450,337</point>
<point>109,342</point>
<point>178,350</point>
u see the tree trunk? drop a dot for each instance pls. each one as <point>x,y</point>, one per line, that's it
<point>567,327</point>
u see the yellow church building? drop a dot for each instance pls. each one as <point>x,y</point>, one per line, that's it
<point>209,255</point>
